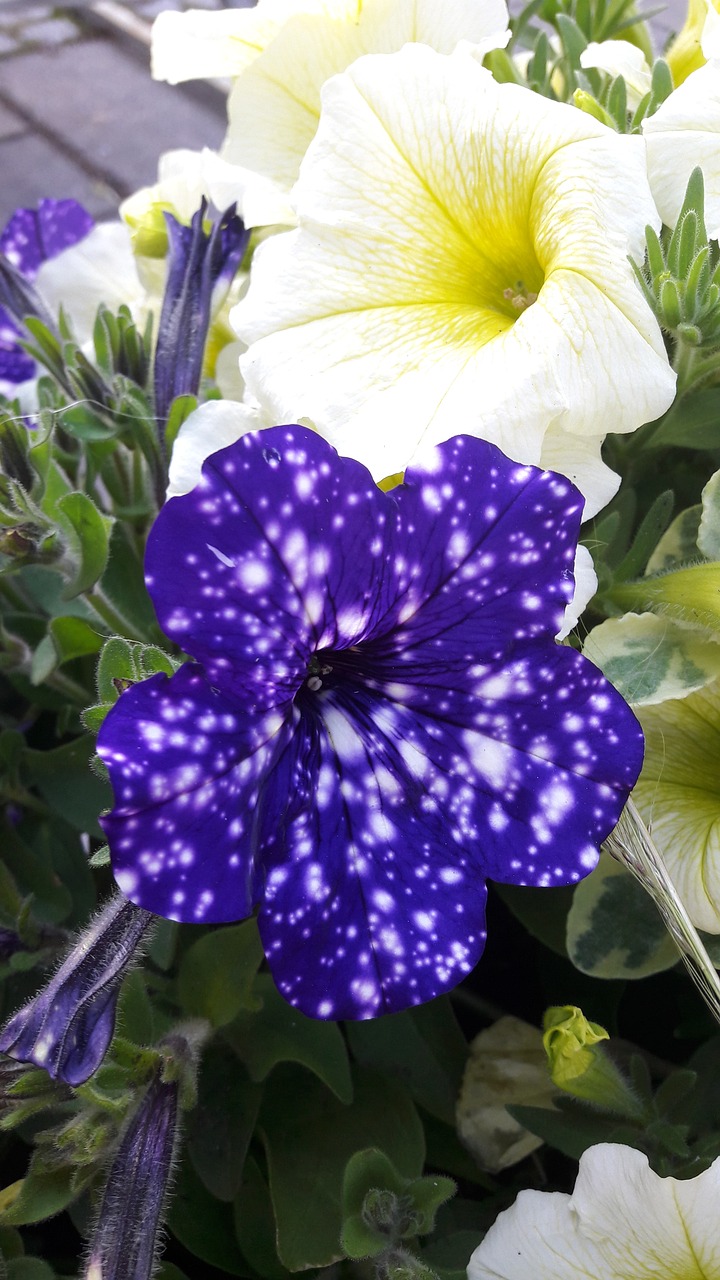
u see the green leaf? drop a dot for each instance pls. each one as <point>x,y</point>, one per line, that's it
<point>280,1033</point>
<point>203,1225</point>
<point>217,973</point>
<point>64,779</point>
<point>614,929</point>
<point>678,544</point>
<point>691,423</point>
<point>646,539</point>
<point>116,663</point>
<point>29,1269</point>
<point>650,658</point>
<point>222,1123</point>
<point>569,1131</point>
<point>40,1195</point>
<point>168,1271</point>
<point>88,534</point>
<point>708,539</point>
<point>423,1047</point>
<point>366,1171</point>
<point>255,1224</point>
<point>35,875</point>
<point>68,638</point>
<point>135,1019</point>
<point>310,1136</point>
<point>449,1257</point>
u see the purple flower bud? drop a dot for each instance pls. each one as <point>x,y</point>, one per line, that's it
<point>123,1244</point>
<point>197,263</point>
<point>67,1027</point>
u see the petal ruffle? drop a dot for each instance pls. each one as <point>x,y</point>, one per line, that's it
<point>185,764</point>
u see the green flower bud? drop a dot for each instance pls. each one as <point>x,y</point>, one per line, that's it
<point>579,1067</point>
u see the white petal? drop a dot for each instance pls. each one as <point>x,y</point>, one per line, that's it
<point>427,192</point>
<point>580,459</point>
<point>586,585</point>
<point>685,132</point>
<point>620,58</point>
<point>196,44</point>
<point>280,91</point>
<point>211,427</point>
<point>100,269</point>
<point>622,1222</point>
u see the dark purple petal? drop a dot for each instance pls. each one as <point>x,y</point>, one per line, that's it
<point>67,1027</point>
<point>123,1244</point>
<point>369,903</point>
<point>278,552</point>
<point>186,764</point>
<point>15,364</point>
<point>31,236</point>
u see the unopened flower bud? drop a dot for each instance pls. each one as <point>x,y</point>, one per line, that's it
<point>579,1066</point>
<point>67,1027</point>
<point>124,1242</point>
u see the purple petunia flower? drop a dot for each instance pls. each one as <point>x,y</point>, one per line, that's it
<point>378,719</point>
<point>67,1027</point>
<point>29,238</point>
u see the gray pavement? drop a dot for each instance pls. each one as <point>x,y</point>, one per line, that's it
<point>79,113</point>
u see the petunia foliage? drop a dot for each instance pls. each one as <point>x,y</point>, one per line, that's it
<point>378,716</point>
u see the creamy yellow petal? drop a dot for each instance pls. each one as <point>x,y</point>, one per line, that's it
<point>622,1222</point>
<point>280,91</point>
<point>458,266</point>
<point>683,133</point>
<point>678,796</point>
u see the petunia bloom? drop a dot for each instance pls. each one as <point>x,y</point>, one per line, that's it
<point>378,717</point>
<point>461,256</point>
<point>67,1027</point>
<point>30,238</point>
<point>622,1222</point>
<point>281,53</point>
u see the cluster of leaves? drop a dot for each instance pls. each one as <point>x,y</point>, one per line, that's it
<point>552,35</point>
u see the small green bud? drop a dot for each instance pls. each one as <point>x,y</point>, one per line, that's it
<point>579,1067</point>
<point>590,105</point>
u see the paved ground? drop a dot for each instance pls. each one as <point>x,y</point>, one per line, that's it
<point>79,114</point>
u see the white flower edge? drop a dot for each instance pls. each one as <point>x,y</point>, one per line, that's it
<point>685,132</point>
<point>211,427</point>
<point>99,269</point>
<point>620,58</point>
<point>622,1222</point>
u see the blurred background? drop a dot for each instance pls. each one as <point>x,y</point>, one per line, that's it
<point>79,114</point>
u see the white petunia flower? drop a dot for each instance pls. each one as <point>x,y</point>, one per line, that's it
<point>622,1222</point>
<point>620,58</point>
<point>281,55</point>
<point>460,265</point>
<point>685,132</point>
